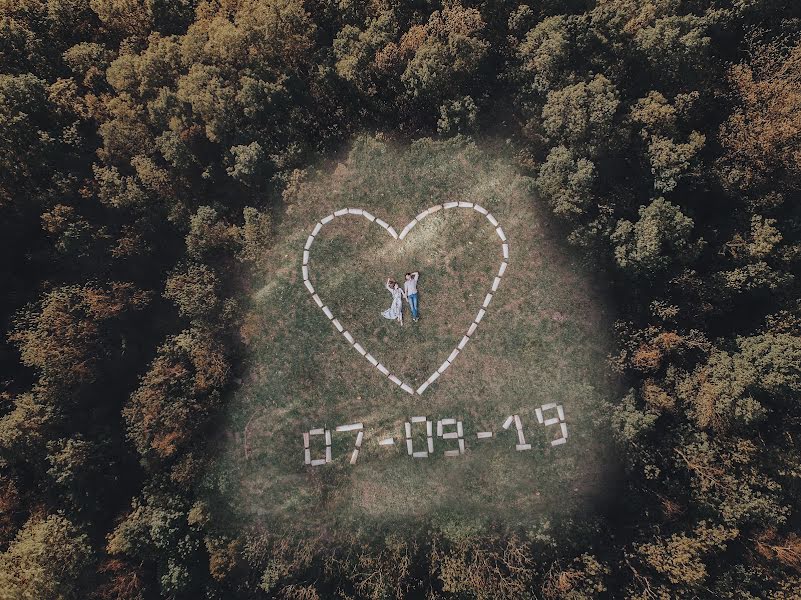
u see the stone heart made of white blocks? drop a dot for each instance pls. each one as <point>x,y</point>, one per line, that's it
<point>346,334</point>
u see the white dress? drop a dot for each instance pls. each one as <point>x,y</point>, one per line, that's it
<point>394,311</point>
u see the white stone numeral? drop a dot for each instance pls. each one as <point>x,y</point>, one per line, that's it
<point>307,459</point>
<point>559,418</point>
<point>457,434</point>
<point>429,437</point>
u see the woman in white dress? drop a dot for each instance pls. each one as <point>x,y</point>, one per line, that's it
<point>396,310</point>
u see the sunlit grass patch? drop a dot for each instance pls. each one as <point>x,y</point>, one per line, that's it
<point>543,340</point>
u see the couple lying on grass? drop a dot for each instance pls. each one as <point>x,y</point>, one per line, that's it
<point>409,292</point>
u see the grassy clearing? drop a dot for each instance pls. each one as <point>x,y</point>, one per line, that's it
<point>544,339</point>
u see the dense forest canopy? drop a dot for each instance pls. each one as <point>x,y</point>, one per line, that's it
<point>146,148</point>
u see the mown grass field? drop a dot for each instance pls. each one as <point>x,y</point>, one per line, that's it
<point>544,339</point>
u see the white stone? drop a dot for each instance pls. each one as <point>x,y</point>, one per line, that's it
<point>358,347</point>
<point>395,380</point>
<point>420,454</point>
<point>461,446</point>
<point>409,447</point>
<point>422,388</point>
<point>317,300</point>
<point>451,435</point>
<point>318,462</point>
<point>340,212</point>
<point>505,248</point>
<point>418,419</point>
<point>327,437</point>
<point>359,439</point>
<point>305,257</point>
<point>433,377</point>
<point>372,360</point>
<point>453,355</point>
<point>563,427</point>
<point>518,423</point>
<point>408,228</point>
<point>496,283</point>
<point>502,270</point>
<point>355,211</point>
<point>316,229</point>
<point>392,232</point>
<point>351,427</point>
<point>429,428</point>
<point>326,220</point>
<point>480,315</point>
<point>318,431</point>
<point>305,439</point>
<point>368,216</point>
<point>449,421</point>
<point>443,367</point>
<point>309,242</point>
<point>465,205</point>
<point>431,445</point>
<point>519,447</point>
<point>354,456</point>
<point>423,215</point>
<point>459,429</point>
<point>552,421</point>
<point>463,343</point>
<point>560,410</point>
<point>484,434</point>
<point>408,427</point>
<point>382,368</point>
<point>549,406</point>
<point>338,325</point>
<point>305,270</point>
<point>559,441</point>
<point>508,422</point>
<point>492,220</point>
<point>521,439</point>
<point>383,223</point>
<point>500,233</point>
<point>387,442</point>
<point>328,454</point>
<point>472,329</point>
<point>487,300</point>
<point>439,428</point>
<point>450,205</point>
<point>348,337</point>
<point>451,453</point>
<point>307,456</point>
<point>480,209</point>
<point>539,415</point>
<point>327,312</point>
<point>434,209</point>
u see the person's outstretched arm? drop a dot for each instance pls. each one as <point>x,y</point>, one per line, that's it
<point>416,274</point>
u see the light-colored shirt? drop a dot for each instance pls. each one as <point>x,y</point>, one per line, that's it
<point>410,286</point>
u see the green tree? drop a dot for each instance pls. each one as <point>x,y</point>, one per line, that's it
<point>581,116</point>
<point>662,237</point>
<point>45,561</point>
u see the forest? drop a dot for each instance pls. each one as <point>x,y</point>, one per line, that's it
<point>147,152</point>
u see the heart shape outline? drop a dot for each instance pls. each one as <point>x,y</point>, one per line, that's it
<point>371,218</point>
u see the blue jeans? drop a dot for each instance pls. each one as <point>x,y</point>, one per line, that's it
<point>413,304</point>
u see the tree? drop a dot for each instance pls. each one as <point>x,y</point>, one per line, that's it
<point>446,56</point>
<point>566,183</point>
<point>45,561</point>
<point>180,390</point>
<point>68,335</point>
<point>581,116</point>
<point>762,136</point>
<point>660,238</point>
